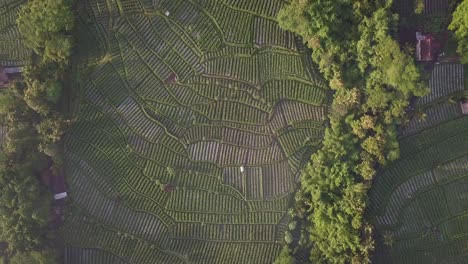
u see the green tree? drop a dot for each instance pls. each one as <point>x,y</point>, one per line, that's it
<point>284,257</point>
<point>52,128</point>
<point>42,96</point>
<point>43,23</point>
<point>419,6</point>
<point>8,101</point>
<point>24,211</point>
<point>459,25</point>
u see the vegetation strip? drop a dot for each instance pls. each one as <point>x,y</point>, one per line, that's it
<point>373,80</point>
<point>32,112</point>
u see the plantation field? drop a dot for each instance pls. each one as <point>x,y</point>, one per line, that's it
<point>12,50</point>
<point>420,202</point>
<point>196,119</point>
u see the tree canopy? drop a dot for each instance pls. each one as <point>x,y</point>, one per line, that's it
<point>459,25</point>
<point>44,24</point>
<point>373,80</point>
<point>30,112</point>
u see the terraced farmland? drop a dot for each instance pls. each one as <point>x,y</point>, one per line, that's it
<point>12,50</point>
<point>420,202</point>
<point>197,117</point>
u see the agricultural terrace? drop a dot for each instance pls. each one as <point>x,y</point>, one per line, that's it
<point>420,203</point>
<point>196,119</point>
<point>12,51</point>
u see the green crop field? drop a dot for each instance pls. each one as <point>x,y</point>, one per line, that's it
<point>196,119</point>
<point>420,203</point>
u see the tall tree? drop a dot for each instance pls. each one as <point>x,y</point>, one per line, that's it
<point>43,25</point>
<point>459,25</point>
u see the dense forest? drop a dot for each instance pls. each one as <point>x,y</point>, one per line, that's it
<point>373,79</point>
<point>31,111</point>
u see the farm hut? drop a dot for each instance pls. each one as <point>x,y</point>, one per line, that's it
<point>59,196</point>
<point>171,79</point>
<point>9,74</point>
<point>464,106</point>
<point>168,188</point>
<point>427,47</point>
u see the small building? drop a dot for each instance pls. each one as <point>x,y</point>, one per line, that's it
<point>427,47</point>
<point>9,74</point>
<point>61,195</point>
<point>464,106</point>
<point>171,79</point>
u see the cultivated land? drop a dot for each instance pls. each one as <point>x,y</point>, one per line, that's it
<point>420,202</point>
<point>12,51</point>
<point>196,119</point>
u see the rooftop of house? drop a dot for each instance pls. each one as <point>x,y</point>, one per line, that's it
<point>427,47</point>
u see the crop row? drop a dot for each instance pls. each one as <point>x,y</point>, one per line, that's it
<point>228,135</point>
<point>435,115</point>
<point>202,252</point>
<point>234,24</point>
<point>110,211</point>
<point>266,181</point>
<point>394,175</point>
<point>240,218</point>
<point>446,79</point>
<point>180,151</point>
<point>87,233</point>
<point>12,50</point>
<point>216,232</point>
<point>418,142</point>
<point>74,255</point>
<point>267,32</point>
<point>263,8</point>
<point>402,194</point>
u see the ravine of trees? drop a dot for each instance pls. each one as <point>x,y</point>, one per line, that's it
<point>373,80</point>
<point>30,110</point>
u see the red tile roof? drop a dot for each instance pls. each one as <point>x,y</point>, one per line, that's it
<point>427,47</point>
